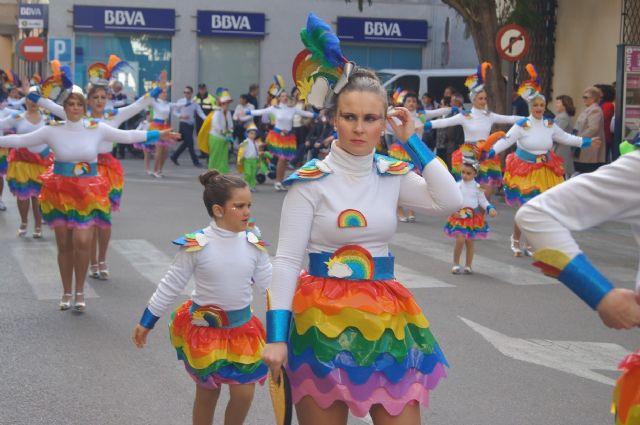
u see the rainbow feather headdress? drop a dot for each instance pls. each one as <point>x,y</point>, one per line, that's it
<point>320,71</point>
<point>398,96</point>
<point>277,86</point>
<point>475,82</point>
<point>530,89</point>
<point>100,74</point>
<point>223,95</point>
<point>12,79</point>
<point>60,84</point>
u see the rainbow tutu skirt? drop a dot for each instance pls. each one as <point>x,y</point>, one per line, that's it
<point>527,176</point>
<point>626,396</point>
<point>4,163</point>
<point>218,355</point>
<point>75,198</point>
<point>280,144</point>
<point>111,169</point>
<point>360,341</point>
<point>490,173</point>
<point>467,222</point>
<point>157,125</point>
<point>25,169</point>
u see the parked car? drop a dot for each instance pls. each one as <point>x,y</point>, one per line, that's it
<point>419,81</point>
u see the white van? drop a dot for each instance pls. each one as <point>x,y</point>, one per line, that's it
<point>422,81</point>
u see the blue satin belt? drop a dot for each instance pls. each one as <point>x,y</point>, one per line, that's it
<point>350,267</point>
<point>75,169</point>
<point>280,131</point>
<point>213,316</point>
<point>531,157</point>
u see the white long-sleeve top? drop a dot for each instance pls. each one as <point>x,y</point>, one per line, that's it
<point>536,136</point>
<point>74,141</point>
<point>22,125</point>
<point>585,201</point>
<point>16,104</point>
<point>243,113</point>
<point>221,124</point>
<point>310,211</point>
<point>283,114</point>
<point>224,270</point>
<point>161,109</point>
<point>113,118</point>
<point>475,123</point>
<point>250,149</point>
<point>472,195</point>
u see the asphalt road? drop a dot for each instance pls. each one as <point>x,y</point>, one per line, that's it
<point>522,348</point>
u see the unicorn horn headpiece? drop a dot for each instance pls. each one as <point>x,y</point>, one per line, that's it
<point>320,71</point>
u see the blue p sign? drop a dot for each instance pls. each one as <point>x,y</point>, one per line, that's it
<point>60,49</point>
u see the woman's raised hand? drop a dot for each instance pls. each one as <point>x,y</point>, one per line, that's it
<point>406,126</point>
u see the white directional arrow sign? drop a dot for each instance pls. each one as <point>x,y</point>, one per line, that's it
<point>575,357</point>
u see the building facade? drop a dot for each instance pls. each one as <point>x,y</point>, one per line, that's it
<point>236,43</point>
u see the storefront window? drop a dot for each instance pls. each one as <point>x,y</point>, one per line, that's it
<point>147,55</point>
<point>379,57</point>
<point>230,63</point>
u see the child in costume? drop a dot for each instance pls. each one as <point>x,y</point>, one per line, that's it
<point>533,168</point>
<point>468,224</point>
<point>215,332</point>
<point>608,194</point>
<point>249,156</point>
<point>146,149</point>
<point>355,338</point>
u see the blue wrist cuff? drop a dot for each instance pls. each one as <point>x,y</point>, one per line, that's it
<point>148,319</point>
<point>585,280</point>
<point>155,92</point>
<point>490,207</point>
<point>153,136</point>
<point>586,142</point>
<point>420,154</point>
<point>428,125</point>
<point>278,323</point>
<point>34,97</point>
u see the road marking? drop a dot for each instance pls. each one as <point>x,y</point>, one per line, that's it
<point>574,357</point>
<point>39,264</point>
<point>505,272</point>
<point>414,279</point>
<point>148,260</point>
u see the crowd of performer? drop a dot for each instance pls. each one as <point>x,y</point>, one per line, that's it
<point>345,333</point>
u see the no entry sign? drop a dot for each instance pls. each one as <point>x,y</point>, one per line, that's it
<point>32,49</point>
<point>512,42</point>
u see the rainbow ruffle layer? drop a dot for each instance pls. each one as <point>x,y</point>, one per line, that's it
<point>111,169</point>
<point>153,125</point>
<point>626,396</point>
<point>474,227</point>
<point>4,163</point>
<point>490,172</point>
<point>525,180</point>
<point>397,151</point>
<point>214,356</point>
<point>23,174</point>
<point>281,146</point>
<point>75,202</point>
<point>362,343</point>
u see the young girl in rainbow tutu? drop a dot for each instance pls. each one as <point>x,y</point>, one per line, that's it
<point>468,224</point>
<point>215,333</point>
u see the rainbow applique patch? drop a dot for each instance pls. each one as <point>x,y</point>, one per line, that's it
<point>193,241</point>
<point>81,168</point>
<point>91,123</point>
<point>210,316</point>
<point>351,218</point>
<point>352,261</point>
<point>312,170</point>
<point>391,166</point>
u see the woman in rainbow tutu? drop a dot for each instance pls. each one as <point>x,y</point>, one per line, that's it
<point>583,202</point>
<point>476,124</point>
<point>353,338</point>
<point>215,333</point>
<point>26,165</point>
<point>281,141</point>
<point>74,197</point>
<point>533,168</point>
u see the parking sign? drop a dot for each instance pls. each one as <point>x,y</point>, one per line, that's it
<point>60,49</point>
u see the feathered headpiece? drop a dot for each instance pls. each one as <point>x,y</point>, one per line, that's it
<point>475,82</point>
<point>223,95</point>
<point>320,71</point>
<point>100,74</point>
<point>12,79</point>
<point>60,84</point>
<point>530,89</point>
<point>277,86</point>
<point>398,96</point>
